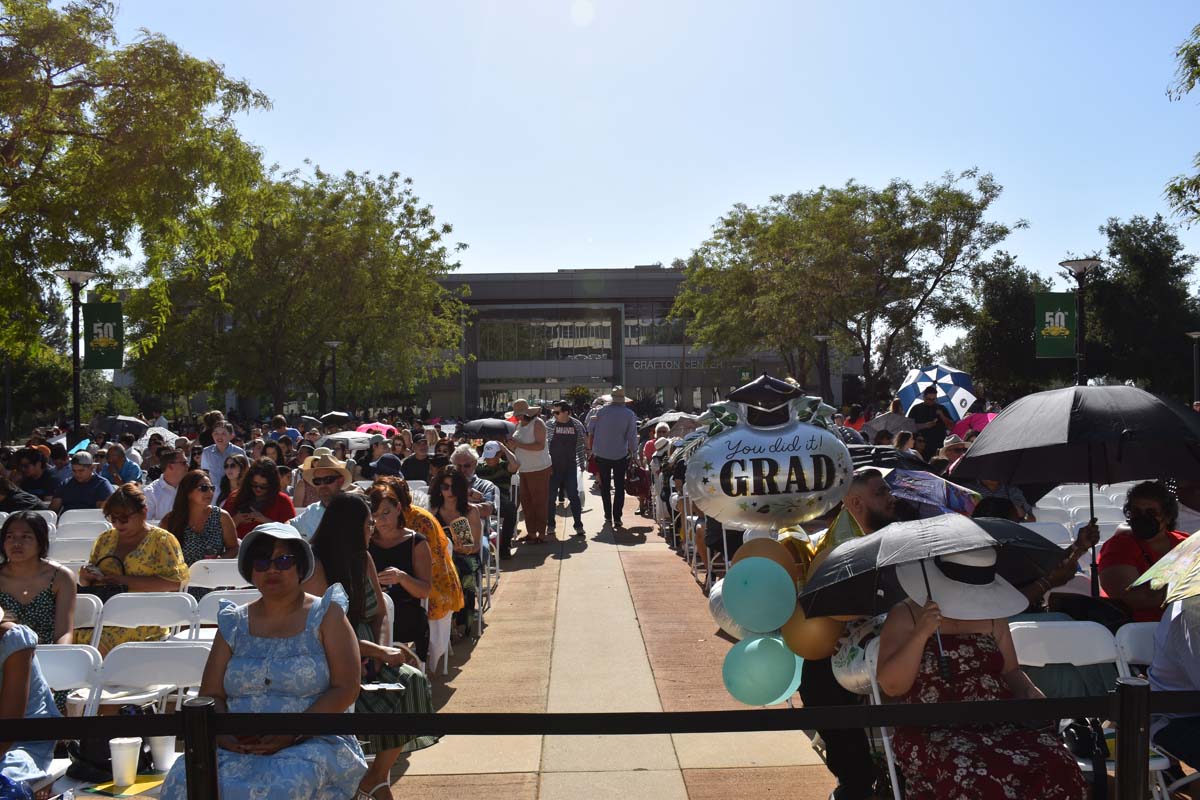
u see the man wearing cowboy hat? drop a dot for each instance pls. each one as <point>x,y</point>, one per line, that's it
<point>612,439</point>
<point>328,477</point>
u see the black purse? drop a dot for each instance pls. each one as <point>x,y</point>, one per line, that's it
<point>108,590</point>
<point>1085,739</point>
<point>91,759</point>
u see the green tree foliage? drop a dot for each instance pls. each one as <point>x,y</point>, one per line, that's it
<point>869,265</point>
<point>104,144</point>
<point>1139,306</point>
<point>1184,190</point>
<point>353,258</point>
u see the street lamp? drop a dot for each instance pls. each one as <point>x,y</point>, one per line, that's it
<point>1195,337</point>
<point>1080,267</point>
<point>334,346</point>
<point>77,278</point>
<point>823,368</point>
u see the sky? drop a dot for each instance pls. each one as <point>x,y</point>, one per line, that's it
<point>594,133</point>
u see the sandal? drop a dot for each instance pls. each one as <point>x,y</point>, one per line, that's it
<point>361,795</point>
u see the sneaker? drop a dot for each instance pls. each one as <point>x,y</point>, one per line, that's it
<point>579,530</point>
<point>608,522</point>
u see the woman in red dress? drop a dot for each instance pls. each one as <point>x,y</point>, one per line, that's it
<point>259,499</point>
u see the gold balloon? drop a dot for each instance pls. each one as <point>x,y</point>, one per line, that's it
<point>814,638</point>
<point>768,548</point>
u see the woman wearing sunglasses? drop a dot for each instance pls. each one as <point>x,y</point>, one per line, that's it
<point>450,504</point>
<point>202,529</point>
<point>273,451</point>
<point>259,499</point>
<point>234,468</point>
<point>135,555</point>
<point>287,652</point>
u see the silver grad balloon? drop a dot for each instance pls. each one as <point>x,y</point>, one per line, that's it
<point>769,477</point>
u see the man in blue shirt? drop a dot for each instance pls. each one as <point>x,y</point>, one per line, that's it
<point>279,427</point>
<point>120,469</point>
<point>84,489</point>
<point>612,438</point>
<point>212,458</point>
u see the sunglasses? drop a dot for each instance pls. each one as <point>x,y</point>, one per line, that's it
<point>259,486</point>
<point>231,465</point>
<point>280,563</point>
<point>119,519</point>
<point>447,487</point>
<point>205,487</point>
<point>328,479</point>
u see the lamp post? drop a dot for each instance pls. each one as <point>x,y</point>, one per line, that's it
<point>823,368</point>
<point>77,278</point>
<point>334,346</point>
<point>1080,267</point>
<point>1195,337</point>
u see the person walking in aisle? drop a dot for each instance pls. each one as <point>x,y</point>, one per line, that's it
<point>612,439</point>
<point>566,439</point>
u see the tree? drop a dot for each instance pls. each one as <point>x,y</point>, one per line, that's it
<point>353,258</point>
<point>1184,191</point>
<point>103,143</point>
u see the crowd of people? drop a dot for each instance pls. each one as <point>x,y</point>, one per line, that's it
<point>332,531</point>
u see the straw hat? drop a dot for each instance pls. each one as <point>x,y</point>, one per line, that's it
<point>618,394</point>
<point>521,408</point>
<point>322,458</point>
<point>964,585</point>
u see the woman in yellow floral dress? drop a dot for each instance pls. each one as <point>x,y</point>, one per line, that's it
<point>133,554</point>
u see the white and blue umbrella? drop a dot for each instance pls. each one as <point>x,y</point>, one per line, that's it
<point>953,387</point>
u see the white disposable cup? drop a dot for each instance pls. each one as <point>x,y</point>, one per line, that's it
<point>125,753</point>
<point>162,750</point>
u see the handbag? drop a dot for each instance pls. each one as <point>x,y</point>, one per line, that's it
<point>105,592</point>
<point>637,480</point>
<point>91,759</point>
<point>1085,739</point>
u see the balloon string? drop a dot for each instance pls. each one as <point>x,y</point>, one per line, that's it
<point>943,661</point>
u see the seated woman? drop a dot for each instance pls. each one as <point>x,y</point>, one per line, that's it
<point>259,499</point>
<point>449,503</point>
<point>231,478</point>
<point>23,694</point>
<point>404,563</point>
<point>202,529</point>
<point>340,548</point>
<point>1152,513</point>
<point>34,591</point>
<point>983,762</point>
<point>136,556</point>
<point>287,652</point>
<point>445,591</point>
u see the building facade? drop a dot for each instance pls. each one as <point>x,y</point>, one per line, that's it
<point>537,335</point>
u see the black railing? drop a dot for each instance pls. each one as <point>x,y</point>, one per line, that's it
<point>1129,707</point>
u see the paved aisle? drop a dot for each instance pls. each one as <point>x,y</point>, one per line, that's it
<point>613,624</point>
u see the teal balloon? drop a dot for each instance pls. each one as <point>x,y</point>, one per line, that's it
<point>759,594</point>
<point>762,671</point>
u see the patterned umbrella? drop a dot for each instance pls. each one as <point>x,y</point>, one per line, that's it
<point>953,387</point>
<point>1178,570</point>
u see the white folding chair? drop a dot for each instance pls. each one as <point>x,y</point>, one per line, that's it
<point>65,667</point>
<point>1052,514</point>
<point>216,573</point>
<point>885,734</point>
<point>208,608</point>
<point>82,515</point>
<point>422,485</point>
<point>80,530</point>
<point>1107,530</point>
<point>160,609</point>
<point>1081,514</point>
<point>134,673</point>
<point>1053,531</point>
<point>48,515</point>
<point>71,549</point>
<point>87,610</point>
<point>1080,644</point>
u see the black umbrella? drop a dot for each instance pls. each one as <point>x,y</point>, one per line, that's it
<point>337,418</point>
<point>489,429</point>
<point>310,422</point>
<point>858,576</point>
<point>1097,434</point>
<point>115,426</point>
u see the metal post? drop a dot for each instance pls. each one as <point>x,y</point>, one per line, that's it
<point>1195,369</point>
<point>75,355</point>
<point>823,369</point>
<point>200,747</point>
<point>8,422</point>
<point>335,405</point>
<point>1080,331</point>
<point>1133,738</point>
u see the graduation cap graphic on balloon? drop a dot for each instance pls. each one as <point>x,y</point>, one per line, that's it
<point>766,400</point>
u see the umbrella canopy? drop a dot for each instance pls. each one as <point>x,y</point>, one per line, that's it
<point>669,417</point>
<point>310,422</point>
<point>167,436</point>
<point>954,388</point>
<point>1178,570</point>
<point>337,418</point>
<point>859,578</point>
<point>489,429</point>
<point>1092,434</point>
<point>932,495</point>
<point>891,422</point>
<point>378,427</point>
<point>115,426</point>
<point>972,422</point>
<point>353,440</point>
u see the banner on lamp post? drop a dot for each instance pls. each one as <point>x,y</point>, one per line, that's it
<point>1054,324</point>
<point>103,336</point>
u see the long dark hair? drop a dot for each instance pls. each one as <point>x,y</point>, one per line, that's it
<point>458,482</point>
<point>273,446</point>
<point>176,520</point>
<point>242,462</point>
<point>341,548</point>
<point>245,493</point>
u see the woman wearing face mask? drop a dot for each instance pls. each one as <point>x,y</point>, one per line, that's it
<point>1150,535</point>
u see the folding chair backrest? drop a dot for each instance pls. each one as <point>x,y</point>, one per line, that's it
<point>82,515</point>
<point>210,604</point>
<point>48,515</point>
<point>1053,531</point>
<point>68,666</point>
<point>1107,530</point>
<point>87,610</point>
<point>1081,514</point>
<point>1135,646</point>
<point>1078,643</point>
<point>80,530</point>
<point>140,665</point>
<point>389,613</point>
<point>214,572</point>
<point>71,549</point>
<point>162,609</point>
<point>1053,514</point>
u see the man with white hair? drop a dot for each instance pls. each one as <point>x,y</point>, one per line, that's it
<point>480,491</point>
<point>613,440</point>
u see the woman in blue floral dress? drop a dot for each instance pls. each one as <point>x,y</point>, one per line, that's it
<point>287,652</point>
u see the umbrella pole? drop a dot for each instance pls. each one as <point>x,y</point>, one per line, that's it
<point>943,662</point>
<point>1092,516</point>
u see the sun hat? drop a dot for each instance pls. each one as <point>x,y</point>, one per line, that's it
<point>661,443</point>
<point>521,408</point>
<point>82,459</point>
<point>276,530</point>
<point>491,450</point>
<point>964,585</point>
<point>387,464</point>
<point>618,394</point>
<point>322,458</point>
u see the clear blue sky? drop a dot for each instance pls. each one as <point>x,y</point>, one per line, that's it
<point>557,134</point>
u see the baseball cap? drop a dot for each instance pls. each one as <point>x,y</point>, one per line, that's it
<point>387,464</point>
<point>83,459</point>
<point>491,450</point>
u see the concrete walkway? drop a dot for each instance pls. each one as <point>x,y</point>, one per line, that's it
<point>613,623</point>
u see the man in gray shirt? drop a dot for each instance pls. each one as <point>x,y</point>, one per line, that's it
<point>612,438</point>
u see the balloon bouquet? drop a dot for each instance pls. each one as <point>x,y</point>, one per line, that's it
<point>768,460</point>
